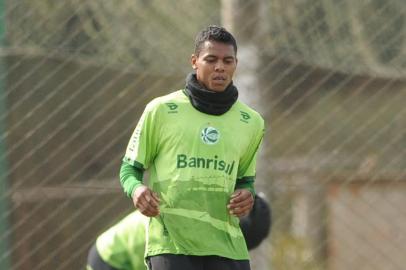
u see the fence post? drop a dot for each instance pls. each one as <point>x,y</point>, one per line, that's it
<point>242,19</point>
<point>4,257</point>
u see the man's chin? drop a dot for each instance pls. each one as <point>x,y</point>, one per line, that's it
<point>218,88</point>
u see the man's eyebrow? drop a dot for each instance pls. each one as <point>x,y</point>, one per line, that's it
<point>215,56</point>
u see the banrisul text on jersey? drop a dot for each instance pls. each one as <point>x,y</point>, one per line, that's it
<point>184,161</point>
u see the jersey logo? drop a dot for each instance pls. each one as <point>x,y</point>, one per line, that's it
<point>184,161</point>
<point>210,135</point>
<point>172,107</point>
<point>244,117</point>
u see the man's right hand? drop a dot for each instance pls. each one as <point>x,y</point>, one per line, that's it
<point>146,201</point>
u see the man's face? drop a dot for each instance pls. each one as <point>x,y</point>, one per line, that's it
<point>215,65</point>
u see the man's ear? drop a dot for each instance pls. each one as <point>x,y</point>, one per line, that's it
<point>193,60</point>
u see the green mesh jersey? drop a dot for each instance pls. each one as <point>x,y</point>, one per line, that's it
<point>194,160</point>
<point>123,245</point>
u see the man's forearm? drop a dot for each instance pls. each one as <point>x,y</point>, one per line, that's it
<point>130,178</point>
<point>246,183</point>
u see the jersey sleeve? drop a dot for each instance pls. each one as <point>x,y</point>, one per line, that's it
<point>130,178</point>
<point>143,144</point>
<point>247,166</point>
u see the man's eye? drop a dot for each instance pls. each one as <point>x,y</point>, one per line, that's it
<point>211,60</point>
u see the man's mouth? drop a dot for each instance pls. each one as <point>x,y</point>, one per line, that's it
<point>219,79</point>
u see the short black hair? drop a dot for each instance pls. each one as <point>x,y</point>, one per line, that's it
<point>214,33</point>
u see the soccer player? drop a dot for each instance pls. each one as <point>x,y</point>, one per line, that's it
<point>122,246</point>
<point>200,146</point>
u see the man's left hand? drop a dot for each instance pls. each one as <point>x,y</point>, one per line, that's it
<point>241,202</point>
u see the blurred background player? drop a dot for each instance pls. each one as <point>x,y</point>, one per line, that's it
<point>122,246</point>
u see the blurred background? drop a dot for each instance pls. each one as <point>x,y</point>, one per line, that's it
<point>328,76</point>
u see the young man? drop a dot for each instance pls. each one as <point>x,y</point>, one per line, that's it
<point>122,246</point>
<point>200,146</point>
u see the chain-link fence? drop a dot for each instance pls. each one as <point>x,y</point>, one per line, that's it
<point>329,77</point>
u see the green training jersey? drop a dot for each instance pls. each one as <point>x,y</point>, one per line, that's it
<point>123,245</point>
<point>194,161</point>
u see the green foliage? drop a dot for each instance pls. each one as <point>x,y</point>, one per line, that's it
<point>350,36</point>
<point>154,35</point>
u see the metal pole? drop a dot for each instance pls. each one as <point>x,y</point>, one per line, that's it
<point>243,19</point>
<point>4,257</point>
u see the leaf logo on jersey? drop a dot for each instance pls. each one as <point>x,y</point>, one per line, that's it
<point>210,135</point>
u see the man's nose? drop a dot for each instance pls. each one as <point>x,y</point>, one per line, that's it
<point>219,66</point>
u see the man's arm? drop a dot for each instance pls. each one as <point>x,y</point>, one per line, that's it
<point>246,182</point>
<point>130,178</point>
<point>241,202</point>
<point>144,199</point>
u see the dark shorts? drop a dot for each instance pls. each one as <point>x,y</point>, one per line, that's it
<point>185,262</point>
<point>96,262</point>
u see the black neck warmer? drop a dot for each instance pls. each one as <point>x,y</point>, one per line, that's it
<point>207,101</point>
